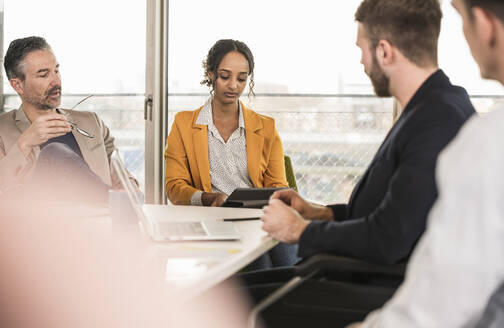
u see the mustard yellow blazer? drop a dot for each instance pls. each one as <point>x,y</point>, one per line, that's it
<point>186,155</point>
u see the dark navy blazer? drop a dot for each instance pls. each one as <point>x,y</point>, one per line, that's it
<point>388,208</point>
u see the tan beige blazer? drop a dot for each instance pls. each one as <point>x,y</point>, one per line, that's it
<point>15,169</point>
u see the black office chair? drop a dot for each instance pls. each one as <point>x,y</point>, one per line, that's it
<point>328,291</point>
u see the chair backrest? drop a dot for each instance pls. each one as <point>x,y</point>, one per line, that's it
<point>289,173</point>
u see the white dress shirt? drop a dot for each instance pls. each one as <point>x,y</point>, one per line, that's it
<point>459,261</point>
<point>228,160</point>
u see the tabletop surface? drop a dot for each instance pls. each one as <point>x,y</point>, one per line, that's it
<point>196,266</point>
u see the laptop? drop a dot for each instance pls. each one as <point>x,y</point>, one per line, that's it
<point>172,230</point>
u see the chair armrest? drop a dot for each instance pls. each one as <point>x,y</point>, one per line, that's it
<point>335,263</point>
<point>310,267</point>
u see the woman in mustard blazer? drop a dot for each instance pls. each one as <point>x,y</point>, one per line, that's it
<point>222,145</point>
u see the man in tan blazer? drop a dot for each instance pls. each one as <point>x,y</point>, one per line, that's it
<point>77,138</point>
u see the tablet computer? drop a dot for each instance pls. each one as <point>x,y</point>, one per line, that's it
<point>250,197</point>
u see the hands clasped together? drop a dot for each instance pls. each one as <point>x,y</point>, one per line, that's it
<point>287,215</point>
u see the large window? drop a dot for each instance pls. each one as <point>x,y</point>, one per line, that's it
<point>456,60</point>
<point>309,78</point>
<point>100,46</point>
<point>308,75</point>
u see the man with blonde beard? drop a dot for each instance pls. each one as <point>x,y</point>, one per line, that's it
<point>458,263</point>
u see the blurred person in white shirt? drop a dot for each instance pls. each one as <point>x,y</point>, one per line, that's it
<point>59,269</point>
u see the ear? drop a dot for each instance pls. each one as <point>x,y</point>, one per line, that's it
<point>384,53</point>
<point>484,24</point>
<point>17,85</point>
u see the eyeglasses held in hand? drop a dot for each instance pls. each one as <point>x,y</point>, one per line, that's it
<point>73,124</point>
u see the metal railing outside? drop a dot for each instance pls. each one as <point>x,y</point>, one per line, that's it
<point>330,138</point>
<point>122,113</point>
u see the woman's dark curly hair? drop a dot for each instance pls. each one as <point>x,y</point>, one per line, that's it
<point>214,58</point>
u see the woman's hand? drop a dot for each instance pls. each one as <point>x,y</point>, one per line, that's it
<point>214,199</point>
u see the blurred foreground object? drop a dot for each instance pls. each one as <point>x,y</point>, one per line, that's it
<point>79,272</point>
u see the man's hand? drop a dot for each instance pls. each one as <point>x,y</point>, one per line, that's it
<point>307,210</point>
<point>214,199</point>
<point>45,127</point>
<point>283,222</point>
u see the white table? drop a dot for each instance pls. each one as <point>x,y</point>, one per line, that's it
<point>192,267</point>
<point>197,266</point>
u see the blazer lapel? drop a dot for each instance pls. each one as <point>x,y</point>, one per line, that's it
<point>254,143</point>
<point>86,146</point>
<point>200,141</point>
<point>364,177</point>
<point>377,156</point>
<point>82,141</point>
<point>356,190</point>
<point>22,123</point>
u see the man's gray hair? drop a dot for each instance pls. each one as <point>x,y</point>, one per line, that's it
<point>18,50</point>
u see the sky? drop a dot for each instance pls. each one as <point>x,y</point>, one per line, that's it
<point>307,46</point>
<point>299,46</point>
<point>100,45</point>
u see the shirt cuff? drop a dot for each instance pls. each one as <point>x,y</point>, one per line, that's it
<point>340,211</point>
<point>196,198</point>
<point>308,243</point>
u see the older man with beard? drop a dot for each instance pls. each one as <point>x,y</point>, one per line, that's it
<point>63,153</point>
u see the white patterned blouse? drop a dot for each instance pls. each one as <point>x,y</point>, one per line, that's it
<point>227,160</point>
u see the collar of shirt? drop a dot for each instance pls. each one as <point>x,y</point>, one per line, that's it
<point>437,80</point>
<point>205,118</point>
